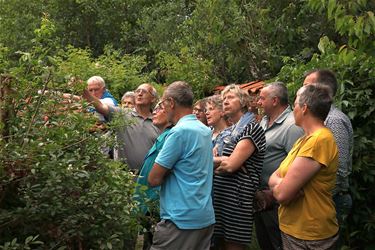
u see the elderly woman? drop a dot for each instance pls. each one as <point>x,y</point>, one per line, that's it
<point>305,179</point>
<point>128,99</point>
<point>217,121</point>
<point>144,194</point>
<point>237,173</point>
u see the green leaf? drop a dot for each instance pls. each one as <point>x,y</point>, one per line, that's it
<point>331,8</point>
<point>109,245</point>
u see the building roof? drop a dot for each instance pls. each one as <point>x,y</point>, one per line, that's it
<point>251,87</point>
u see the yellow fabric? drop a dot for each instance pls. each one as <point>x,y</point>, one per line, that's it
<point>312,216</point>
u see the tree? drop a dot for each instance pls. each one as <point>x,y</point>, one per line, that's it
<point>352,58</point>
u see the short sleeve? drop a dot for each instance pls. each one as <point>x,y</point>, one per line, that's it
<point>321,148</point>
<point>254,132</point>
<point>171,151</point>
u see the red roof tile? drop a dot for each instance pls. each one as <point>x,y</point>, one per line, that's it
<point>251,87</point>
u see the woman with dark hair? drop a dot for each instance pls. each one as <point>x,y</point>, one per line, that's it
<point>304,181</point>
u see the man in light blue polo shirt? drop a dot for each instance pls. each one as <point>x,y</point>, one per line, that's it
<point>184,169</point>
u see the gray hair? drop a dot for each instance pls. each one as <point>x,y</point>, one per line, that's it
<point>317,98</point>
<point>279,90</point>
<point>181,92</point>
<point>96,79</point>
<point>240,93</point>
<point>128,94</point>
<point>216,101</point>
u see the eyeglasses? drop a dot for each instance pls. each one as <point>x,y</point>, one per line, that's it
<point>143,91</point>
<point>211,109</point>
<point>198,110</point>
<point>160,105</point>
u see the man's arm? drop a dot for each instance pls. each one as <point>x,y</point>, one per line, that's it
<point>100,107</point>
<point>157,175</point>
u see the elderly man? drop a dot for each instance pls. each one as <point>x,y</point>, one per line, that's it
<point>184,169</point>
<point>139,134</point>
<point>342,130</point>
<point>96,87</point>
<point>281,133</point>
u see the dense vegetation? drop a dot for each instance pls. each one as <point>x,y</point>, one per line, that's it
<point>56,185</point>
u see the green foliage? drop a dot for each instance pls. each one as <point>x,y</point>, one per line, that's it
<point>29,243</point>
<point>57,45</point>
<point>55,181</point>
<point>120,72</point>
<point>195,70</point>
<point>355,71</point>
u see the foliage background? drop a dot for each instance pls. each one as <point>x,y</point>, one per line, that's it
<point>43,44</point>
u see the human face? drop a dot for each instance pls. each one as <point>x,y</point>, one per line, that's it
<point>213,114</point>
<point>198,111</point>
<point>232,106</point>
<point>312,78</point>
<point>127,102</point>
<point>96,89</point>
<point>166,104</point>
<point>159,116</point>
<point>143,95</point>
<point>266,101</point>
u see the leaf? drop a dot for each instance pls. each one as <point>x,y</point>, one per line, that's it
<point>109,245</point>
<point>28,239</point>
<point>331,8</point>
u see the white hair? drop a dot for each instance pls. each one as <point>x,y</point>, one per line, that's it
<point>96,79</point>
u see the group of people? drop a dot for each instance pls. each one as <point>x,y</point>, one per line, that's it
<point>214,169</point>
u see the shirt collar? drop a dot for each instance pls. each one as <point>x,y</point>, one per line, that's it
<point>281,117</point>
<point>135,113</point>
<point>189,117</point>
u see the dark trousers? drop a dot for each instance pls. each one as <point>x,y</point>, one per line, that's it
<point>267,229</point>
<point>343,203</point>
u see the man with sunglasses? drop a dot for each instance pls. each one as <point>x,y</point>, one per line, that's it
<point>138,134</point>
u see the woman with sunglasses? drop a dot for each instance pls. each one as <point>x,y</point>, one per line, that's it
<point>148,197</point>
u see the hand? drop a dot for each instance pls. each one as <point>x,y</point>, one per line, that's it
<point>86,95</point>
<point>223,165</point>
<point>263,200</point>
<point>214,151</point>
